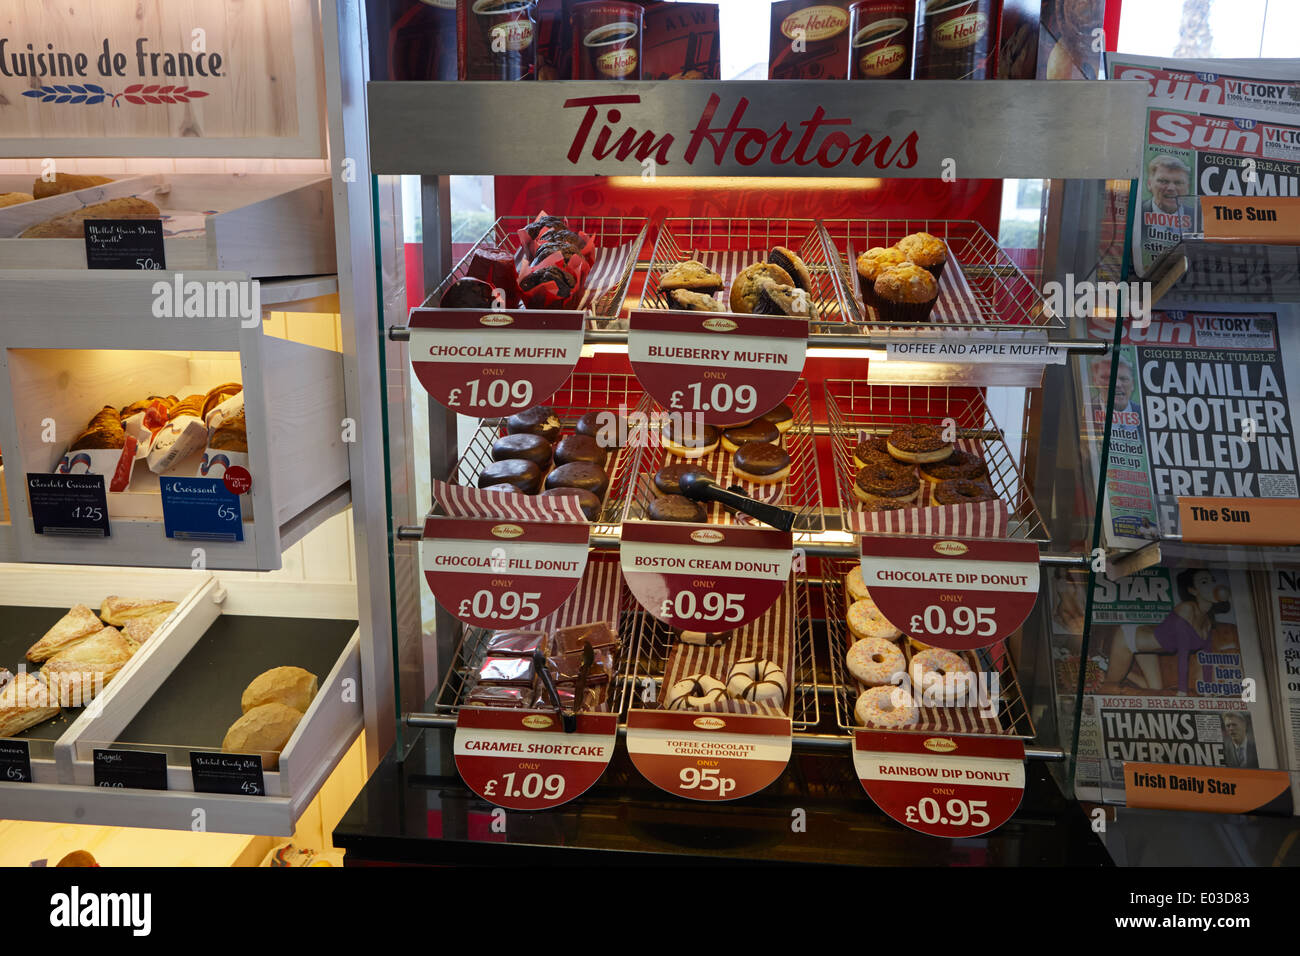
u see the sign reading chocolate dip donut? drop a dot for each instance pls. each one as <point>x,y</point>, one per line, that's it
<point>495,363</point>
<point>956,39</point>
<point>958,594</point>
<point>499,39</point>
<point>945,786</point>
<point>502,574</point>
<point>726,367</point>
<point>607,40</point>
<point>880,40</point>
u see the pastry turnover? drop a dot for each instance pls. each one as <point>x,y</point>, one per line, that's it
<point>140,629</point>
<point>25,702</point>
<point>104,431</point>
<point>73,628</point>
<point>118,610</point>
<point>88,666</point>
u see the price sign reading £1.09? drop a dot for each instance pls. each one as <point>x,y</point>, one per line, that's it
<point>502,574</point>
<point>487,365</point>
<point>705,578</point>
<point>958,595</point>
<point>726,368</point>
<point>940,785</point>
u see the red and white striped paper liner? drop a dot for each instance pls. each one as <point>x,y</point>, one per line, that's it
<point>463,501</point>
<point>604,276</point>
<point>956,305</point>
<point>771,638</point>
<point>983,519</point>
<point>597,598</point>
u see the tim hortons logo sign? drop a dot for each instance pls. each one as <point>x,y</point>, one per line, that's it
<point>718,139</point>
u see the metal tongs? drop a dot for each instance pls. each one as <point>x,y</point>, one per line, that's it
<point>704,488</point>
<point>569,719</point>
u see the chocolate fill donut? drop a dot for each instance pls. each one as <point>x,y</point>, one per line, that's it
<point>608,428</point>
<point>525,446</point>
<point>668,480</point>
<point>579,448</point>
<point>677,508</point>
<point>523,475</point>
<point>538,420</point>
<point>582,475</point>
<point>587,501</point>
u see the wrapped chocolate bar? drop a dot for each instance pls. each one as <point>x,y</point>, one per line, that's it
<point>493,695</point>
<point>517,643</point>
<point>592,699</point>
<point>506,670</point>
<point>568,640</point>
<point>565,668</point>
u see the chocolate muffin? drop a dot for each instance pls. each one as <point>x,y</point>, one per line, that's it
<point>587,501</point>
<point>582,475</point>
<point>525,446</point>
<point>467,294</point>
<point>538,420</point>
<point>677,508</point>
<point>545,222</point>
<point>523,475</point>
<point>564,282</point>
<point>579,448</point>
<point>668,480</point>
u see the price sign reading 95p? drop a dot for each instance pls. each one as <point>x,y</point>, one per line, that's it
<point>488,365</point>
<point>725,367</point>
<point>955,594</point>
<point>501,574</point>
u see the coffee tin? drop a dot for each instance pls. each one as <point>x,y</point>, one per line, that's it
<point>607,40</point>
<point>880,39</point>
<point>500,39</point>
<point>956,39</point>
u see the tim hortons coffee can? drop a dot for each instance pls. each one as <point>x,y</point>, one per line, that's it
<point>500,39</point>
<point>956,39</point>
<point>607,40</point>
<point>808,41</point>
<point>880,39</point>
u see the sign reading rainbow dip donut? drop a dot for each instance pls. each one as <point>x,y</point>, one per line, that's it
<point>955,594</point>
<point>487,364</point>
<point>498,573</point>
<point>708,756</point>
<point>726,367</point>
<point>705,577</point>
<point>946,786</point>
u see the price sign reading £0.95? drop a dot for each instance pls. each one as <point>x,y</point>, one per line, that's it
<point>488,365</point>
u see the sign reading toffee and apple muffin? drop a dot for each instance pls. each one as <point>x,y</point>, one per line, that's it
<point>880,40</point>
<point>498,39</point>
<point>956,39</point>
<point>809,41</point>
<point>607,38</point>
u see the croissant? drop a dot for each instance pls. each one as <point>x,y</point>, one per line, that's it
<point>230,435</point>
<point>190,405</point>
<point>219,394</point>
<point>104,431</point>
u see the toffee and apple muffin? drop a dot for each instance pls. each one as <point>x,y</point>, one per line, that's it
<point>927,251</point>
<point>871,264</point>
<point>907,293</point>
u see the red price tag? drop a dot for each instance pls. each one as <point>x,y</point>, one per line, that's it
<point>943,786</point>
<point>711,757</point>
<point>705,577</point>
<point>237,480</point>
<point>494,364</point>
<point>523,760</point>
<point>728,368</point>
<point>502,574</point>
<point>959,595</point>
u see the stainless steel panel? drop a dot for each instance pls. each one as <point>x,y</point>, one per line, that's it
<point>998,129</point>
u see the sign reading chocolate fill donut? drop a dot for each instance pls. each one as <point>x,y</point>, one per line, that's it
<point>499,573</point>
<point>523,759</point>
<point>705,577</point>
<point>955,594</point>
<point>494,364</point>
<point>707,756</point>
<point>727,368</point>
<point>940,785</point>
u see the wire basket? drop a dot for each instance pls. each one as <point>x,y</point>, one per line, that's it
<point>618,243</point>
<point>853,408</point>
<point>981,287</point>
<point>1006,711</point>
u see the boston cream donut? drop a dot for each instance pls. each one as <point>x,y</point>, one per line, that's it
<point>761,462</point>
<point>918,444</point>
<point>782,417</point>
<point>695,693</point>
<point>853,585</point>
<point>885,707</point>
<point>755,431</point>
<point>886,481</point>
<point>874,661</point>
<point>865,620</point>
<point>690,440</point>
<point>759,681</point>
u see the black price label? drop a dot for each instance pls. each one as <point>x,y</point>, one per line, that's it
<point>227,773</point>
<point>130,768</point>
<point>68,504</point>
<point>15,762</point>
<point>125,244</point>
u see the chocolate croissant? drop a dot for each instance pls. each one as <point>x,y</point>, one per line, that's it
<point>104,431</point>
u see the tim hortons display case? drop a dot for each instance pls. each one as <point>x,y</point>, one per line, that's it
<point>718,692</point>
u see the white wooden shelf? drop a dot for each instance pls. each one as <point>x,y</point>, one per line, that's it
<point>63,790</point>
<point>71,343</point>
<point>270,224</point>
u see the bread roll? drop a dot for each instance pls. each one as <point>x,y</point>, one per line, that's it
<point>71,225</point>
<point>291,686</point>
<point>65,183</point>
<point>264,731</point>
<point>77,858</point>
<point>73,628</point>
<point>13,199</point>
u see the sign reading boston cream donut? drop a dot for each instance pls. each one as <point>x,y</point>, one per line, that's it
<point>705,577</point>
<point>954,594</point>
<point>502,574</point>
<point>946,786</point>
<point>728,368</point>
<point>493,364</point>
<point>709,757</point>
